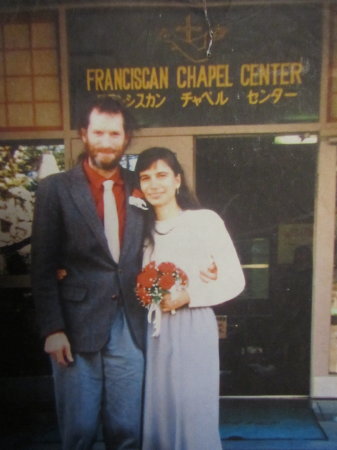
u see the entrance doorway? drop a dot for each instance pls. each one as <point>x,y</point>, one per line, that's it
<point>264,188</point>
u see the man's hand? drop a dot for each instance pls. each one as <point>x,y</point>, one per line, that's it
<point>58,347</point>
<point>210,274</point>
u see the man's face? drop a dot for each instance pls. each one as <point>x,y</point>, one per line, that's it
<point>105,140</point>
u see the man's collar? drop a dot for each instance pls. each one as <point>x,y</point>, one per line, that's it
<point>96,179</point>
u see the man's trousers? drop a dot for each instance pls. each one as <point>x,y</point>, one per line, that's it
<point>103,387</point>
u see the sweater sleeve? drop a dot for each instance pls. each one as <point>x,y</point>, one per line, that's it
<point>216,246</point>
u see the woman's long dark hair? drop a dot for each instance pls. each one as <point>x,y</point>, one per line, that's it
<point>185,198</point>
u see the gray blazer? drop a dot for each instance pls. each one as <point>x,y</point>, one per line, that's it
<point>67,233</point>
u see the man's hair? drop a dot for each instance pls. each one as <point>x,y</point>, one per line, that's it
<point>108,105</point>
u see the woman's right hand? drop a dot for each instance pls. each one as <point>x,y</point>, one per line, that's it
<point>60,274</point>
<point>210,274</point>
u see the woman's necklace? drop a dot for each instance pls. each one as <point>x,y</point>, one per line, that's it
<point>161,233</point>
<point>166,226</point>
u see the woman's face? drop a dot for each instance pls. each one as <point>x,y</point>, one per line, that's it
<point>159,184</point>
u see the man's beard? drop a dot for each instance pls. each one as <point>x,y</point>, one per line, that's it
<point>105,165</point>
<point>101,164</point>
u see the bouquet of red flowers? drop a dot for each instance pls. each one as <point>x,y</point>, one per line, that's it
<point>155,281</point>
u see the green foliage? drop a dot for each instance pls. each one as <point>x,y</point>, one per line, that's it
<point>19,166</point>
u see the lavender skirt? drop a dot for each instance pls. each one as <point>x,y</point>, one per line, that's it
<point>181,409</point>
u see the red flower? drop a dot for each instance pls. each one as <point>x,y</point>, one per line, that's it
<point>166,281</point>
<point>143,295</point>
<point>147,278</point>
<point>166,267</point>
<point>153,282</point>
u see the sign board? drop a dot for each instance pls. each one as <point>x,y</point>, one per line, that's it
<point>172,67</point>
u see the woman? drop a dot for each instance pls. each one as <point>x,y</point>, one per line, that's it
<point>182,368</point>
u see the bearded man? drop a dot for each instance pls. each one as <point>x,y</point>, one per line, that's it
<point>91,322</point>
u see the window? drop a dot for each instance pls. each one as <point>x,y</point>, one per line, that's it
<point>29,73</point>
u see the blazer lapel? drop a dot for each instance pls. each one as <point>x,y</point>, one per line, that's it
<point>81,194</point>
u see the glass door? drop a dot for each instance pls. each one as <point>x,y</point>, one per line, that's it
<point>264,188</point>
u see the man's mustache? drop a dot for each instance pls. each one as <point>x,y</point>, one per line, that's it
<point>106,150</point>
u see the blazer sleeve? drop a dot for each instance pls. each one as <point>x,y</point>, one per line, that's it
<point>46,256</point>
<point>217,247</point>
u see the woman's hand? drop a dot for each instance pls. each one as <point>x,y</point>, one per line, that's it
<point>60,274</point>
<point>210,274</point>
<point>170,304</point>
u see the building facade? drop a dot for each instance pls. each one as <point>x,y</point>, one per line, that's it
<point>245,92</point>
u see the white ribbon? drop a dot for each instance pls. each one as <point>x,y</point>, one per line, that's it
<point>154,316</point>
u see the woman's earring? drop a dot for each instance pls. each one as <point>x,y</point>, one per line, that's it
<point>177,191</point>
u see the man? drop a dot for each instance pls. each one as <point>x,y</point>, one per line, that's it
<point>92,324</point>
